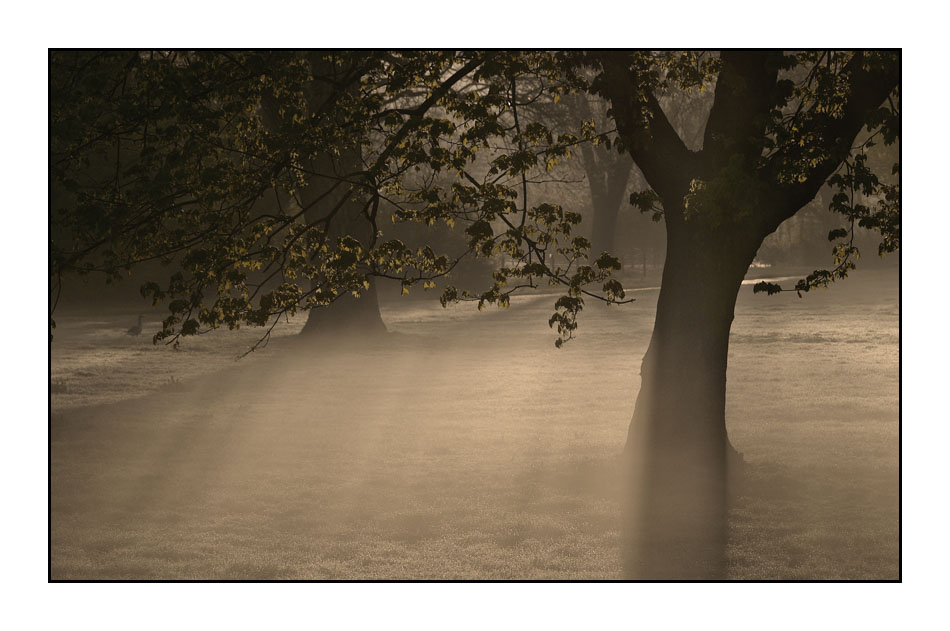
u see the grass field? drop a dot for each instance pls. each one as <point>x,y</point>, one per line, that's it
<point>464,445</point>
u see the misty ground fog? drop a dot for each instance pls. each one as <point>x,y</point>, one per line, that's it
<point>462,444</point>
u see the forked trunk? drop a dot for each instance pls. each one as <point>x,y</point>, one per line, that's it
<point>677,444</point>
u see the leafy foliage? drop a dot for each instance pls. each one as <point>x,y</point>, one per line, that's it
<point>865,184</point>
<point>262,176</point>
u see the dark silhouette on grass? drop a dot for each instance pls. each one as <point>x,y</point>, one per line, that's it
<point>136,329</point>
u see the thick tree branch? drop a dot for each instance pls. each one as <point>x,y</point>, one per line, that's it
<point>740,111</point>
<point>646,132</point>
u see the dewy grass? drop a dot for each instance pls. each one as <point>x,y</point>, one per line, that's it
<point>465,446</point>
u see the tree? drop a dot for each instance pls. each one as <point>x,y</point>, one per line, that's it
<point>330,75</point>
<point>180,157</point>
<point>192,166</point>
<point>610,169</point>
<point>769,144</point>
<point>608,173</point>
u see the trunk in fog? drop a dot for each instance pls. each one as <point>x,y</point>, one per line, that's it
<point>607,172</point>
<point>677,442</point>
<point>329,193</point>
<point>347,314</point>
<point>608,183</point>
<point>678,450</point>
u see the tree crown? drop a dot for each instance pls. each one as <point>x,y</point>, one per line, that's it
<point>268,179</point>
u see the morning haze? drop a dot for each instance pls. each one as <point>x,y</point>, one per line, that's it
<point>472,315</point>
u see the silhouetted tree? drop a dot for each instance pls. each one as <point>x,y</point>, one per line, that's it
<point>204,150</point>
<point>770,142</point>
<point>168,156</point>
<point>330,74</point>
<point>608,173</point>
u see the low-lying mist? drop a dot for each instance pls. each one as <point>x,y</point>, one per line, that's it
<point>462,444</point>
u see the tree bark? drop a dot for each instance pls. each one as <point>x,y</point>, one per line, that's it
<point>331,198</point>
<point>347,314</point>
<point>677,446</point>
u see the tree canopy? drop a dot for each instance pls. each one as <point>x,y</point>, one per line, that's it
<point>266,180</point>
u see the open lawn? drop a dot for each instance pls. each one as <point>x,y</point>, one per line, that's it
<point>464,445</point>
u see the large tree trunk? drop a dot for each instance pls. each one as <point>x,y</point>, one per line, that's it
<point>347,315</point>
<point>330,198</point>
<point>677,444</point>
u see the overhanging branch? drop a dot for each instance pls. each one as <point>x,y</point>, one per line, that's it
<point>832,135</point>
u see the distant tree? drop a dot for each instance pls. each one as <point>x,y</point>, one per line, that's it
<point>608,172</point>
<point>171,156</point>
